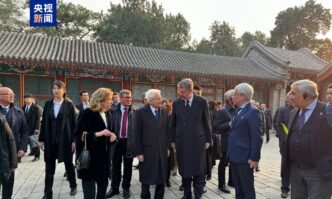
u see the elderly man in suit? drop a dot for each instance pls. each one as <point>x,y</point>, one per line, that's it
<point>32,116</point>
<point>308,147</point>
<point>222,126</point>
<point>84,97</point>
<point>151,138</point>
<point>16,120</point>
<point>245,141</point>
<point>191,135</point>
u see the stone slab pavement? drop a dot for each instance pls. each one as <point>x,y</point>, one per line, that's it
<point>29,179</point>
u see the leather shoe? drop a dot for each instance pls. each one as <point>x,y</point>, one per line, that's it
<point>65,174</point>
<point>73,191</point>
<point>126,193</point>
<point>35,160</point>
<point>112,193</point>
<point>204,189</point>
<point>168,183</point>
<point>224,189</point>
<point>284,194</point>
<point>208,178</point>
<point>181,187</point>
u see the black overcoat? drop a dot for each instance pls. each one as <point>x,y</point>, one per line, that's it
<point>151,139</point>
<point>99,147</point>
<point>67,116</point>
<point>190,130</point>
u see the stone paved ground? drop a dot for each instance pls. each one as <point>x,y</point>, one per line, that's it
<point>29,182</point>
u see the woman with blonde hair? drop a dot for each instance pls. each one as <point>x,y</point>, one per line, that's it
<point>94,126</point>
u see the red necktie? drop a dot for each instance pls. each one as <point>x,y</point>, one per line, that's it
<point>124,123</point>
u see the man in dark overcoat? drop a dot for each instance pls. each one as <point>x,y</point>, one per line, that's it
<point>191,135</point>
<point>123,152</point>
<point>222,126</point>
<point>16,120</point>
<point>31,113</point>
<point>151,140</point>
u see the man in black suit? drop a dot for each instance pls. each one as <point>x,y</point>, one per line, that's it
<point>84,97</point>
<point>191,135</point>
<point>32,116</point>
<point>16,120</point>
<point>268,121</point>
<point>280,124</point>
<point>222,126</point>
<point>122,118</point>
<point>308,146</point>
<point>151,137</point>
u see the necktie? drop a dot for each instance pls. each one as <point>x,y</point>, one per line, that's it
<point>302,118</point>
<point>186,104</point>
<point>124,123</point>
<point>156,114</point>
<point>27,110</point>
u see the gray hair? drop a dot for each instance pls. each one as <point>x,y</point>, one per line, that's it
<point>186,84</point>
<point>125,91</point>
<point>229,94</point>
<point>245,89</point>
<point>151,93</point>
<point>307,87</point>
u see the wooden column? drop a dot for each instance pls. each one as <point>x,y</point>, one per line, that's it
<point>126,82</point>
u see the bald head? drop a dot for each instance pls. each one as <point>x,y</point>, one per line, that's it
<point>6,96</point>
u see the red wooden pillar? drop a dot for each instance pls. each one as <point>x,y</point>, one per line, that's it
<point>126,82</point>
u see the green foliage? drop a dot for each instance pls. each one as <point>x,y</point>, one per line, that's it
<point>223,39</point>
<point>74,21</point>
<point>298,27</point>
<point>11,16</point>
<point>142,23</point>
<point>248,37</point>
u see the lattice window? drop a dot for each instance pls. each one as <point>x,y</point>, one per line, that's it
<point>168,92</point>
<point>73,90</point>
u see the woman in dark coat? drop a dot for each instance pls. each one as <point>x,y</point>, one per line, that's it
<point>151,140</point>
<point>56,137</point>
<point>97,123</point>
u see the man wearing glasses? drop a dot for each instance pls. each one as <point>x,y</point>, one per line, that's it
<point>16,120</point>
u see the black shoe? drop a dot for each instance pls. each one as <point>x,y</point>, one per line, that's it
<point>65,174</point>
<point>204,189</point>
<point>208,178</point>
<point>73,191</point>
<point>224,189</point>
<point>257,169</point>
<point>112,193</point>
<point>126,193</point>
<point>31,154</point>
<point>47,196</point>
<point>284,194</point>
<point>35,159</point>
<point>181,187</point>
<point>168,183</point>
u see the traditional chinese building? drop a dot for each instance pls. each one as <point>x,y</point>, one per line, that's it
<point>30,63</point>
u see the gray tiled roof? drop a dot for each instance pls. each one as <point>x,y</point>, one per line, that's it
<point>19,46</point>
<point>302,59</point>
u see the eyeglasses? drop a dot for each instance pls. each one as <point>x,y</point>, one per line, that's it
<point>127,97</point>
<point>10,94</point>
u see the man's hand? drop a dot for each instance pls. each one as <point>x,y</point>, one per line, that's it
<point>207,145</point>
<point>20,153</point>
<point>73,147</point>
<point>140,158</point>
<point>252,164</point>
<point>41,146</point>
